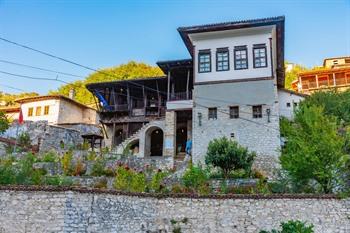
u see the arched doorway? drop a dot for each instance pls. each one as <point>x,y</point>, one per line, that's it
<point>156,142</point>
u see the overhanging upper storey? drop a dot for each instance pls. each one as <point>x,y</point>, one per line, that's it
<point>238,50</point>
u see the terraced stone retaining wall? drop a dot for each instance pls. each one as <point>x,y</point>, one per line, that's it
<point>44,209</point>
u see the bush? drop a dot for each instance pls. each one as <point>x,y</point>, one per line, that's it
<point>50,157</point>
<point>79,168</point>
<point>195,178</point>
<point>24,140</point>
<point>98,169</point>
<point>293,227</point>
<point>66,162</point>
<point>4,123</point>
<point>58,181</point>
<point>156,181</point>
<point>91,156</point>
<point>129,180</point>
<point>228,155</point>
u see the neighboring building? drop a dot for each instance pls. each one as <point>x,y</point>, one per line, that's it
<point>335,74</point>
<point>56,110</point>
<point>228,88</point>
<point>288,100</point>
<point>11,113</point>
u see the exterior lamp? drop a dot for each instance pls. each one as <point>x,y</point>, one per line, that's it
<point>268,111</point>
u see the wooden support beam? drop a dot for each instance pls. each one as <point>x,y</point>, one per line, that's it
<point>317,80</point>
<point>158,98</point>
<point>113,136</point>
<point>128,98</point>
<point>334,82</point>
<point>169,74</point>
<point>144,100</point>
<point>187,84</point>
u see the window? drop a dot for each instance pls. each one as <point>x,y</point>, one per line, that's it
<point>295,104</point>
<point>259,55</point>
<point>30,112</point>
<point>38,111</point>
<point>234,112</point>
<point>46,110</point>
<point>222,59</point>
<point>257,111</point>
<point>204,61</point>
<point>241,58</point>
<point>288,105</point>
<point>212,113</point>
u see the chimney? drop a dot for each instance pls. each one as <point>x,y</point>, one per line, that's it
<point>72,94</point>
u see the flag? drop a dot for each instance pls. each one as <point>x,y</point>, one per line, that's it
<point>20,118</point>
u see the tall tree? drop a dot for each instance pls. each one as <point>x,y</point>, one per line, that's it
<point>314,151</point>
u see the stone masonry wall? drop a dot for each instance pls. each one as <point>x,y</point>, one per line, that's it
<point>261,135</point>
<point>73,211</point>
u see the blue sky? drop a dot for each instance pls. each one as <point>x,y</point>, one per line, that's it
<point>107,33</point>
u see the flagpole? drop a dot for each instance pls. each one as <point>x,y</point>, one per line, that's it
<point>20,121</point>
<point>15,147</point>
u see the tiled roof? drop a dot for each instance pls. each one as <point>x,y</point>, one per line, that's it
<point>47,97</point>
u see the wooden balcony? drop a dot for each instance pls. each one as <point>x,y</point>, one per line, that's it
<point>312,81</point>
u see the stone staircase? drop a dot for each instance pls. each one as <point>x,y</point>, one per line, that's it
<point>135,136</point>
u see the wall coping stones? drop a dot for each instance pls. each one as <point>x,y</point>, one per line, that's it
<point>33,188</point>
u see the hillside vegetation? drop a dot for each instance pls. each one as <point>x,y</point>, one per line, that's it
<point>130,70</point>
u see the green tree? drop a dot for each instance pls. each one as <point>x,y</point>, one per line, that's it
<point>228,155</point>
<point>293,75</point>
<point>4,123</point>
<point>334,104</point>
<point>9,99</point>
<point>130,70</point>
<point>314,150</point>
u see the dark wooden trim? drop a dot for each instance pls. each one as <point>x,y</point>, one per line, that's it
<point>240,48</point>
<point>259,46</point>
<point>204,52</point>
<point>222,50</point>
<point>234,81</point>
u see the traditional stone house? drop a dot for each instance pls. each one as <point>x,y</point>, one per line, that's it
<point>230,87</point>
<point>57,110</point>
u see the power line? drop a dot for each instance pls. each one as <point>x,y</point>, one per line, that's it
<point>14,88</point>
<point>34,78</point>
<point>40,68</point>
<point>73,63</point>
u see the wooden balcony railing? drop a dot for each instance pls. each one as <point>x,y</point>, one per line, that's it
<point>181,96</point>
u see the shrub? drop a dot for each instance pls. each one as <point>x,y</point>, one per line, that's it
<point>123,178</point>
<point>66,162</point>
<point>79,168</point>
<point>4,123</point>
<point>228,155</point>
<point>50,156</point>
<point>195,177</point>
<point>138,182</point>
<point>98,168</point>
<point>91,156</point>
<point>129,180</point>
<point>58,181</point>
<point>24,139</point>
<point>293,227</point>
<point>156,181</point>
